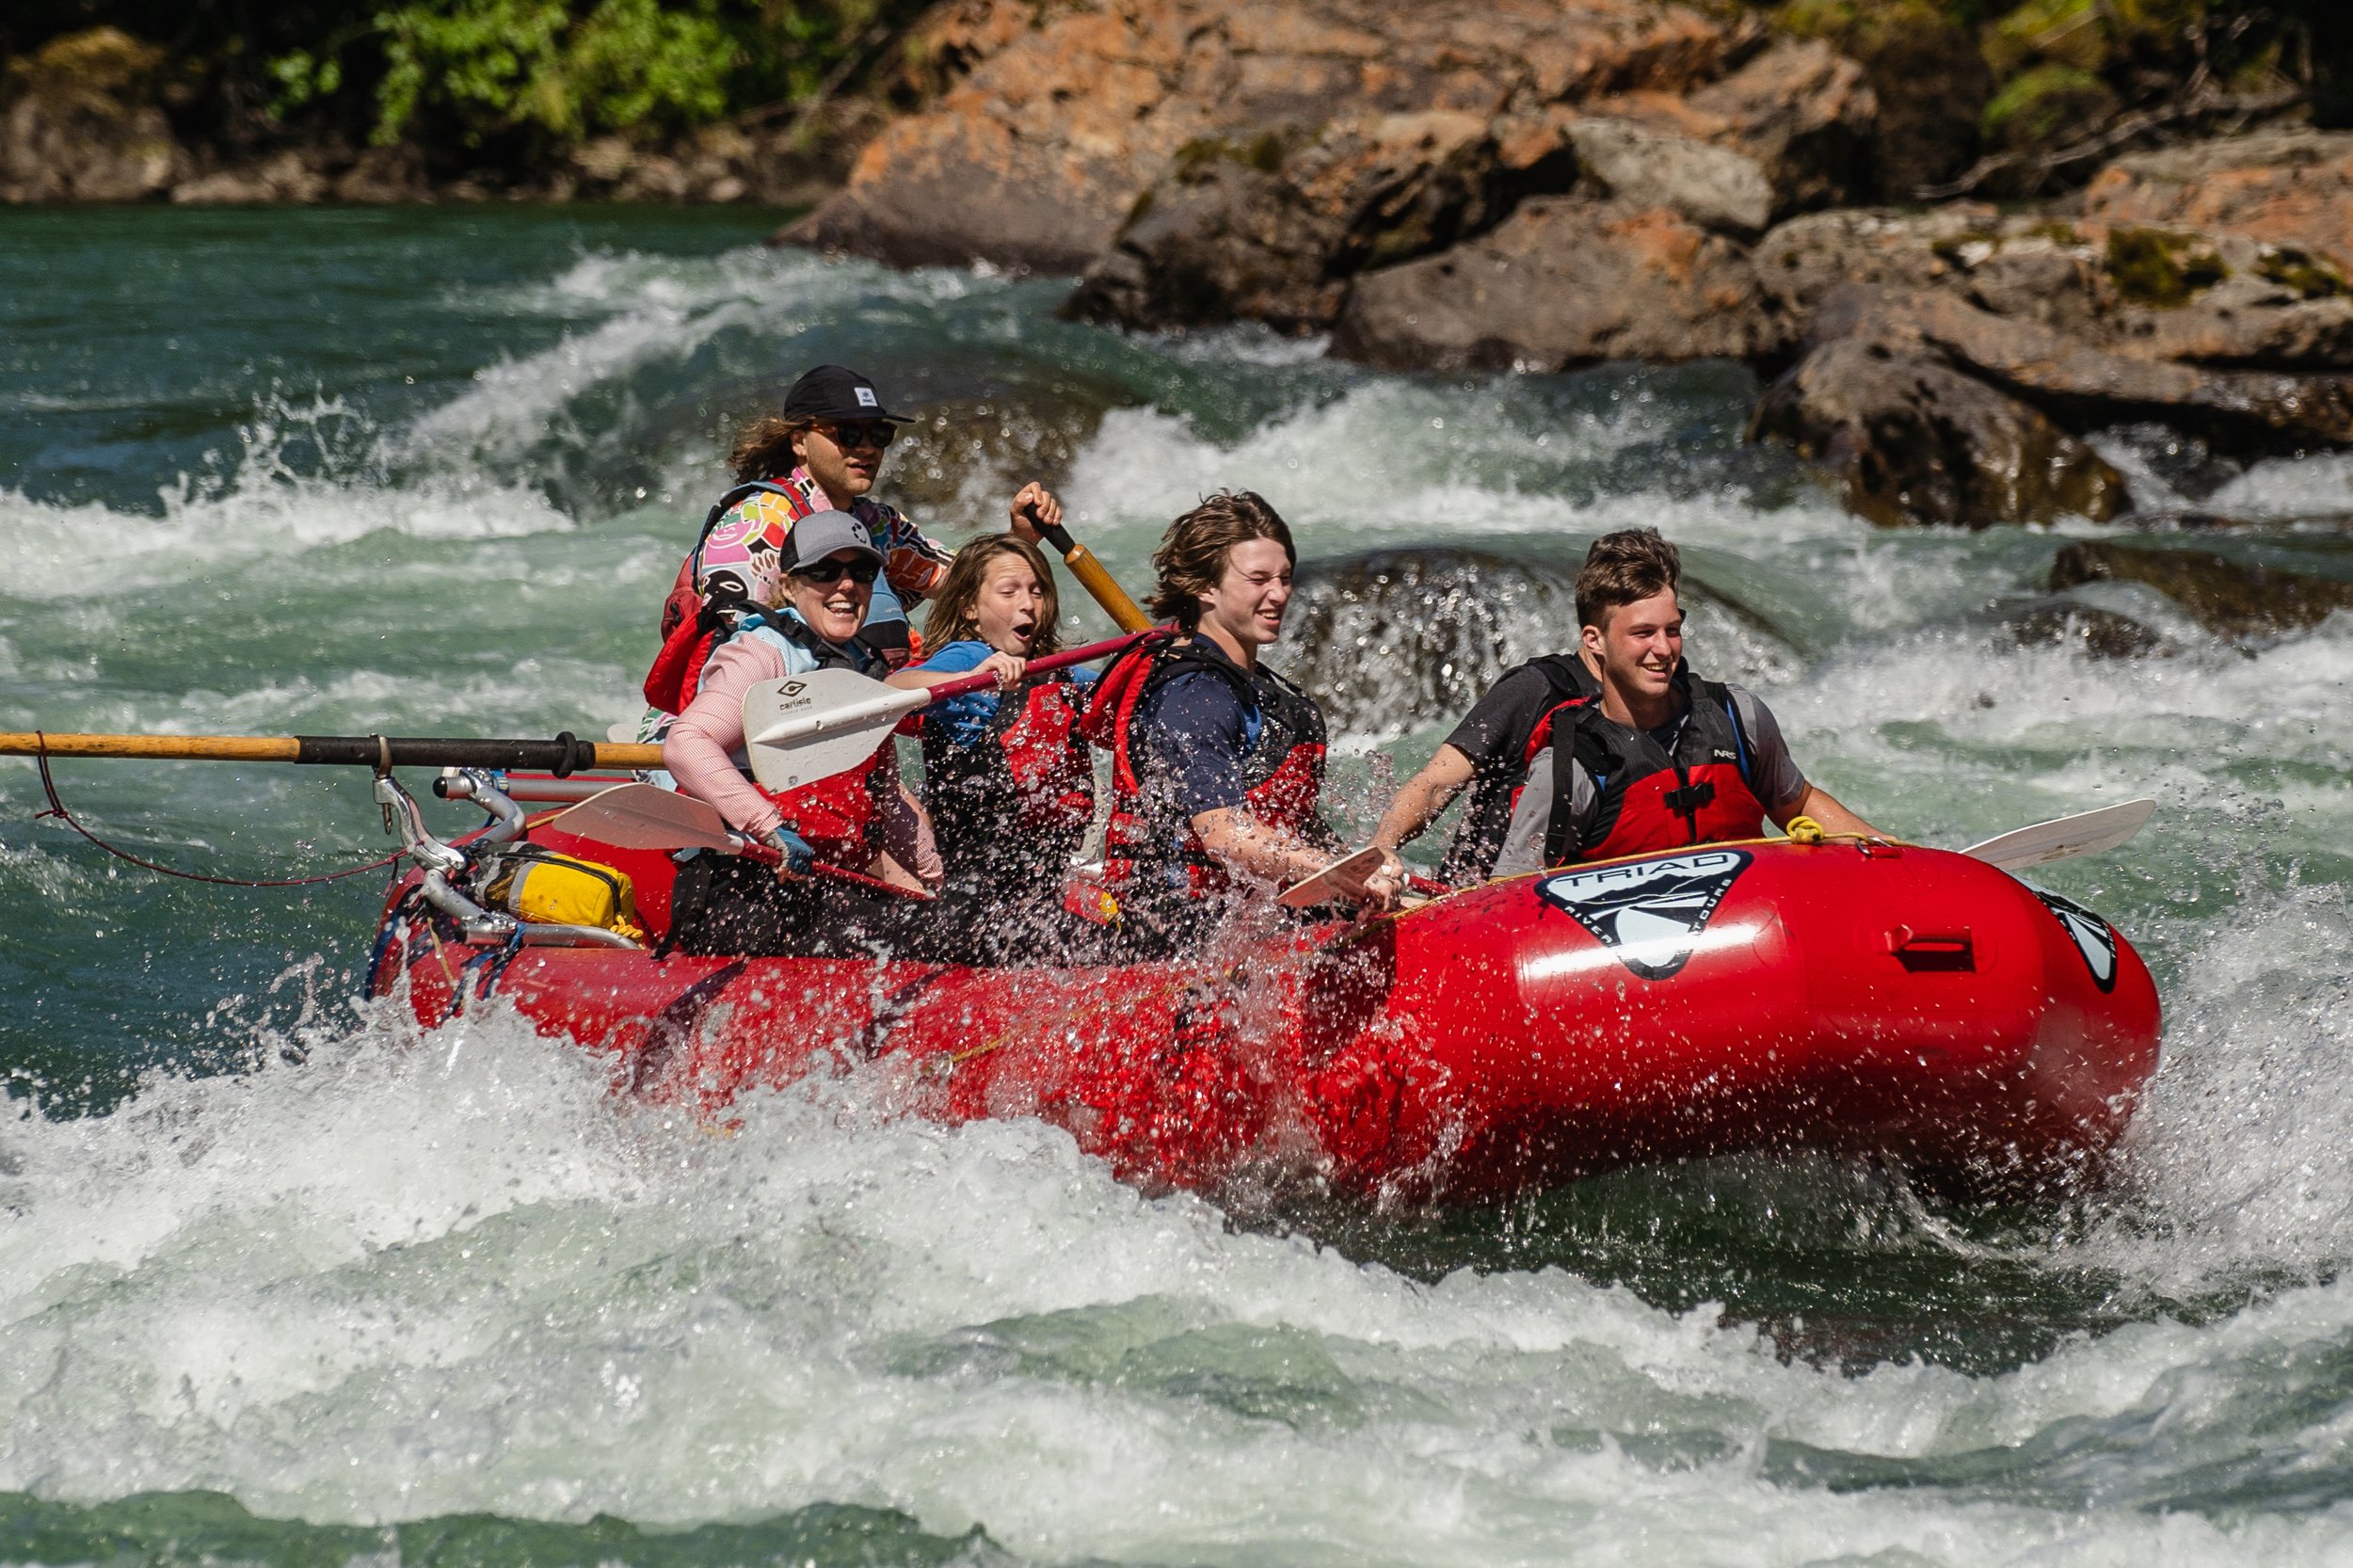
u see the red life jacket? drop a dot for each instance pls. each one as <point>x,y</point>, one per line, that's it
<point>1147,845</point>
<point>693,627</point>
<point>1011,807</point>
<point>1652,796</point>
<point>1470,855</point>
<point>840,816</point>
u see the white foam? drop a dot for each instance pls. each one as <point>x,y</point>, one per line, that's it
<point>51,551</point>
<point>425,1276</point>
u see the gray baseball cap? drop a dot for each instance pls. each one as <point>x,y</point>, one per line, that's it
<point>823,534</point>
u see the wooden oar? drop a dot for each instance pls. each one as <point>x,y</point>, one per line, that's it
<point>1125,611</point>
<point>565,754</point>
<point>646,816</point>
<point>810,727</point>
<point>2086,833</point>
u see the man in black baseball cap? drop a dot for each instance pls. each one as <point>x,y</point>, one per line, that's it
<point>837,393</point>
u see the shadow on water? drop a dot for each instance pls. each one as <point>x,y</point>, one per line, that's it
<point>1841,1264</point>
<point>192,1528</point>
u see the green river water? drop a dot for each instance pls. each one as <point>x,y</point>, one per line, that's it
<point>285,1281</point>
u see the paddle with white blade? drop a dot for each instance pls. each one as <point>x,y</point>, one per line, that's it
<point>646,816</point>
<point>805,728</point>
<point>2086,833</point>
<point>1333,880</point>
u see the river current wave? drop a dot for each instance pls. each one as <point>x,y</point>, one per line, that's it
<point>285,1280</point>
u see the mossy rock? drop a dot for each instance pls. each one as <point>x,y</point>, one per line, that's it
<point>1264,153</point>
<point>2150,267</point>
<point>2046,104</point>
<point>2306,275</point>
<point>99,62</point>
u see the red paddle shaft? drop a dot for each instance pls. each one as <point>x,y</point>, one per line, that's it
<point>766,857</point>
<point>1052,661</point>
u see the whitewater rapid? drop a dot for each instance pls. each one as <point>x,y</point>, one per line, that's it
<point>351,1275</point>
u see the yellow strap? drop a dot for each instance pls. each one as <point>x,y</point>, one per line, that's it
<point>1803,830</point>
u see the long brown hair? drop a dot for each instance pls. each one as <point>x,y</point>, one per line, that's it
<point>763,448</point>
<point>1192,558</point>
<point>952,619</point>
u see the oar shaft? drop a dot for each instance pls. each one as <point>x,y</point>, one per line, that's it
<point>1108,648</point>
<point>1097,581</point>
<point>565,754</point>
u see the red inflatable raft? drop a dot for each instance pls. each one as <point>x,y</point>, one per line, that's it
<point>1903,1003</point>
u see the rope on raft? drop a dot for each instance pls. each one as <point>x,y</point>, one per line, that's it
<point>58,810</point>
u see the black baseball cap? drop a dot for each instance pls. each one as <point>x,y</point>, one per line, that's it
<point>834,391</point>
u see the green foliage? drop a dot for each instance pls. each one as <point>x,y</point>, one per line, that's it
<point>529,77</point>
<point>495,65</point>
<point>2040,105</point>
<point>2152,268</point>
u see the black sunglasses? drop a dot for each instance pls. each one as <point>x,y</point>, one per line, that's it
<point>877,435</point>
<point>825,573</point>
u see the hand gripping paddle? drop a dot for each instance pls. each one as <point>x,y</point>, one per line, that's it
<point>805,728</point>
<point>2086,833</point>
<point>646,816</point>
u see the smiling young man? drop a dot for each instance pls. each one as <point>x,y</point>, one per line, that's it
<point>1660,759</point>
<point>1217,761</point>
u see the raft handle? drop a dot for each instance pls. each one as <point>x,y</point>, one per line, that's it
<point>1931,951</point>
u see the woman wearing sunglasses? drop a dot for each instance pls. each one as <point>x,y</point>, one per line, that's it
<point>822,452</point>
<point>811,587</point>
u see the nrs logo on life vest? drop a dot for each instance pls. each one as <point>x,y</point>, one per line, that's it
<point>1655,907</point>
<point>2093,938</point>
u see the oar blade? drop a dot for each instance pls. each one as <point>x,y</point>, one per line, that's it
<point>1311,890</point>
<point>805,728</point>
<point>645,816</point>
<point>2087,833</point>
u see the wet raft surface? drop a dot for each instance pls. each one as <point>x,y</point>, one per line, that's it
<point>349,1275</point>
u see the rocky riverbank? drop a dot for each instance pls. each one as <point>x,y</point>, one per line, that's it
<point>1955,258</point>
<point>1472,187</point>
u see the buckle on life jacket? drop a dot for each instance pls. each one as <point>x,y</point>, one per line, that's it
<point>1691,799</point>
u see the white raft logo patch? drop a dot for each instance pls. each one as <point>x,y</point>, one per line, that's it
<point>1649,905</point>
<point>2093,938</point>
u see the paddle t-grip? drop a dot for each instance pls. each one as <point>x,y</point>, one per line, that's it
<point>1097,581</point>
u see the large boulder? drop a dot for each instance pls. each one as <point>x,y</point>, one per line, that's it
<point>1713,186</point>
<point>1269,231</point>
<point>1037,156</point>
<point>78,122</point>
<point>1564,281</point>
<point>2229,597</point>
<point>1800,111</point>
<point>2086,385</point>
<point>1912,440</point>
<point>2219,299</point>
<point>2291,188</point>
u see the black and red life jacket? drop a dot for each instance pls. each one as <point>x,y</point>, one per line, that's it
<point>1470,855</point>
<point>1147,845</point>
<point>1652,796</point>
<point>1010,808</point>
<point>840,816</point>
<point>693,627</point>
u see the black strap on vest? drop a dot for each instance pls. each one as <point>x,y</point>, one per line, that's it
<point>1617,755</point>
